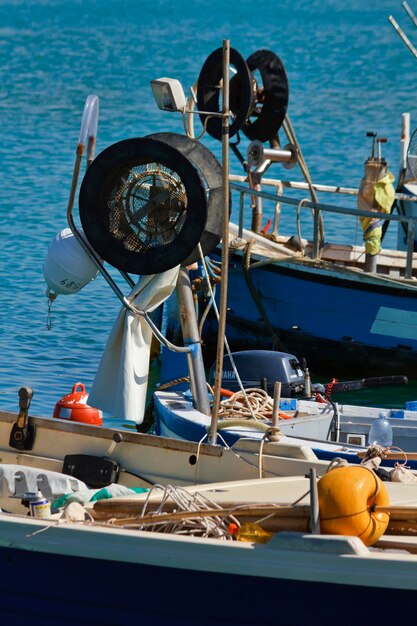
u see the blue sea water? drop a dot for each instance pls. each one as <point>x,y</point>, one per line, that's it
<point>348,71</point>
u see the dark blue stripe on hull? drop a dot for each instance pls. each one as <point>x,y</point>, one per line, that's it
<point>326,319</point>
<point>328,311</point>
<point>43,590</point>
<point>328,455</point>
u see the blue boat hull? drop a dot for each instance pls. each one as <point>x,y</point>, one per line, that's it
<point>168,423</point>
<point>45,590</point>
<point>323,315</point>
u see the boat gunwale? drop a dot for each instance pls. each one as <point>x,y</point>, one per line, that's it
<point>105,432</point>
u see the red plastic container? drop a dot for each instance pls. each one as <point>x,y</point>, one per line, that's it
<point>74,407</point>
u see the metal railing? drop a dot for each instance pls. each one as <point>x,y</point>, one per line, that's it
<point>410,223</point>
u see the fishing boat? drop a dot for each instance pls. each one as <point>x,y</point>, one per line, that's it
<point>152,207</point>
<point>161,193</point>
<point>147,207</point>
<point>348,307</point>
<point>248,386</point>
<point>75,439</point>
<point>197,539</point>
<point>150,188</point>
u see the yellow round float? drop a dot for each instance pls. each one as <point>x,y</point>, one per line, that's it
<point>347,497</point>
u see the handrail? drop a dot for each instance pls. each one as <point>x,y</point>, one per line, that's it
<point>348,191</point>
<point>411,221</point>
<point>89,124</point>
<point>322,207</point>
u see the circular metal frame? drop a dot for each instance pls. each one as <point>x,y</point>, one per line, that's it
<point>209,89</point>
<point>110,179</point>
<point>211,171</point>
<point>271,100</point>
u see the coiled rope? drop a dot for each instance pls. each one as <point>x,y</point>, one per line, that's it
<point>261,405</point>
<point>250,404</point>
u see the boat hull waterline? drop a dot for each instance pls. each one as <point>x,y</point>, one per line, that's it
<point>124,575</point>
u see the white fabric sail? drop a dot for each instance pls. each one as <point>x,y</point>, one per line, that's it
<point>121,380</point>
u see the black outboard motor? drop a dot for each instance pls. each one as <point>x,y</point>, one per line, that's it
<point>262,368</point>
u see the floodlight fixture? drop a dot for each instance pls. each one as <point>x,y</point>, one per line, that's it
<point>169,94</point>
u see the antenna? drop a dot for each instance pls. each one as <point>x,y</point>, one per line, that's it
<point>411,15</point>
<point>403,36</point>
<point>381,140</point>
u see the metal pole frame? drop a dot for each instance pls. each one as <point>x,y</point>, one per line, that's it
<point>212,438</point>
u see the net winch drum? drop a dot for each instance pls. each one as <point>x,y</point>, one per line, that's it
<point>209,90</point>
<point>257,366</point>
<point>211,171</point>
<point>259,94</point>
<point>68,267</point>
<point>271,95</point>
<point>143,206</point>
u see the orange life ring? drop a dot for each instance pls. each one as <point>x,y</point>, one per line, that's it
<point>347,496</point>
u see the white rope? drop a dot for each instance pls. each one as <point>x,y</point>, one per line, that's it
<point>259,405</point>
<point>177,499</point>
<point>226,343</point>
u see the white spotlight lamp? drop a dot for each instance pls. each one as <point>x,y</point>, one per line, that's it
<point>169,94</point>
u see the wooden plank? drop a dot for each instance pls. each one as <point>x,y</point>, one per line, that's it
<point>392,544</point>
<point>103,509</point>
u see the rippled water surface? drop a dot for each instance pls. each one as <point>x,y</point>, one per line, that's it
<point>348,72</point>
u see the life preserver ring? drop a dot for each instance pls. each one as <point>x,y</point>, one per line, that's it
<point>347,496</point>
<point>275,95</point>
<point>208,92</point>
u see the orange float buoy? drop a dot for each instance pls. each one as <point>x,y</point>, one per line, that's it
<point>347,496</point>
<point>74,407</point>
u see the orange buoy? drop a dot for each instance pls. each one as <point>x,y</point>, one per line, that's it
<point>74,407</point>
<point>347,496</point>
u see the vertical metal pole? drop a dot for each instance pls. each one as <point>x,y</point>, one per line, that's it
<point>225,243</point>
<point>257,211</point>
<point>192,338</point>
<point>316,230</point>
<point>241,215</point>
<point>277,213</point>
<point>371,263</point>
<point>410,248</point>
<point>314,504</point>
<point>75,176</point>
<point>275,408</point>
<point>405,140</point>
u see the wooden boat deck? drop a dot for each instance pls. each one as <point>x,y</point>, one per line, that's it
<point>391,263</point>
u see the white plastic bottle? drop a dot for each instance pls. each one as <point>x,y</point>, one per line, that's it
<point>380,432</point>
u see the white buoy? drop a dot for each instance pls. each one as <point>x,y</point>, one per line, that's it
<point>67,267</point>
